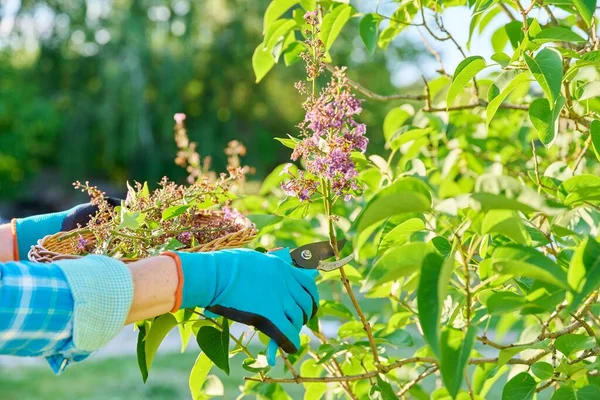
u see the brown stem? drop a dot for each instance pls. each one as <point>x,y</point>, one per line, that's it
<point>349,378</point>
<point>545,385</point>
<point>507,11</point>
<point>423,375</point>
<point>290,366</point>
<point>581,154</point>
<point>328,203</point>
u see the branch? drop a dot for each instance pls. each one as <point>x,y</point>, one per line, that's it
<point>581,154</point>
<point>347,378</point>
<point>512,361</point>
<point>418,379</point>
<point>290,366</point>
<point>507,11</point>
<point>375,96</point>
<point>387,368</point>
<point>545,385</point>
<point>586,354</point>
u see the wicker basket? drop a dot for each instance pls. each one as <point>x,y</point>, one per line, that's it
<point>60,245</point>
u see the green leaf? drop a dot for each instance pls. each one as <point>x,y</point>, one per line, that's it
<point>521,386</point>
<point>403,196</point>
<point>333,22</point>
<point>435,275</point>
<point>132,220</point>
<point>145,192</point>
<point>159,329</point>
<point>335,309</point>
<point>442,245</point>
<point>510,352</point>
<point>386,390</point>
<point>503,302</point>
<point>399,261</point>
<point>259,365</point>
<point>263,220</point>
<point>399,338</point>
<point>141,351</point>
<point>521,42</point>
<point>542,370</point>
<point>277,32</point>
<point>580,189</point>
<point>369,31</point>
<point>456,347</point>
<point>504,84</point>
<point>595,133</point>
<point>465,71</point>
<point>292,207</point>
<point>395,119</point>
<point>262,62</point>
<point>174,211</point>
<point>400,233</point>
<point>558,34</point>
<point>498,192</point>
<point>289,143</point>
<point>584,271</point>
<point>572,343</point>
<point>292,53</point>
<point>589,392</point>
<point>185,328</point>
<point>545,119</point>
<point>406,134</point>
<point>501,58</point>
<point>586,9</point>
<point>351,328</point>
<point>547,69</point>
<point>275,10</point>
<point>198,375</point>
<point>521,261</point>
<point>504,222</point>
<point>215,344</point>
<point>588,91</point>
<point>314,390</point>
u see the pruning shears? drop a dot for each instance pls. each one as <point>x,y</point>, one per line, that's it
<point>313,256</point>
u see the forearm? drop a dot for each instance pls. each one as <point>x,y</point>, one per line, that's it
<point>6,243</point>
<point>155,282</point>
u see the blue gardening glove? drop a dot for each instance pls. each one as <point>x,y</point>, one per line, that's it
<point>29,230</point>
<point>262,290</point>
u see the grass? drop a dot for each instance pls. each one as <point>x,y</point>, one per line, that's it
<point>117,378</point>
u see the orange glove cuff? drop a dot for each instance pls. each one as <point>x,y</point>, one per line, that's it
<point>179,290</point>
<point>13,231</point>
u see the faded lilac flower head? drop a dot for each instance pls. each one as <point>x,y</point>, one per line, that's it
<point>185,237</point>
<point>82,244</point>
<point>311,18</point>
<point>179,118</point>
<point>231,213</point>
<point>286,169</point>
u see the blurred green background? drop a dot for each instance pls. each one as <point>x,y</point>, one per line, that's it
<point>88,89</point>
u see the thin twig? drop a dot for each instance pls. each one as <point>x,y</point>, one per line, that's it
<point>289,365</point>
<point>584,150</point>
<point>347,378</point>
<point>431,370</point>
<point>545,385</point>
<point>507,11</point>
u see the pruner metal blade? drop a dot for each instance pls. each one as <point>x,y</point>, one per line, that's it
<point>312,256</point>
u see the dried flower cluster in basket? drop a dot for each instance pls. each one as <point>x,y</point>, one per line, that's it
<point>172,217</point>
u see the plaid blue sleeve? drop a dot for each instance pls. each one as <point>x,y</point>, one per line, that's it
<point>36,312</point>
<point>62,311</point>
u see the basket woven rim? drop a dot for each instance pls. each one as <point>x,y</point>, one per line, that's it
<point>39,252</point>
